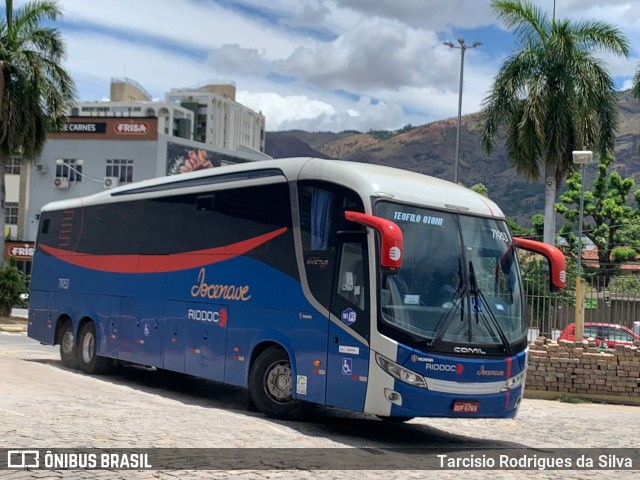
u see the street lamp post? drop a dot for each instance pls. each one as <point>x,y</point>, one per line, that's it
<point>463,47</point>
<point>580,157</point>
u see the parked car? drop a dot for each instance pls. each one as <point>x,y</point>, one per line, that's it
<point>636,328</point>
<point>610,333</point>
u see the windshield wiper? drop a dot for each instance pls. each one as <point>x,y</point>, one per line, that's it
<point>481,300</point>
<point>461,294</point>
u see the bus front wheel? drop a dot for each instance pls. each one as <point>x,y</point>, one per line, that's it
<point>271,386</point>
<point>88,357</point>
<point>68,350</point>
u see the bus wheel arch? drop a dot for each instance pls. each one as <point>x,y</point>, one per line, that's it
<point>271,383</point>
<point>87,345</point>
<point>65,337</point>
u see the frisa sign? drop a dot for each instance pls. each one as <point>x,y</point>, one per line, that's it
<point>131,128</point>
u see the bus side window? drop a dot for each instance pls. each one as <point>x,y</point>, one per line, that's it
<point>351,283</point>
<point>350,301</point>
<point>321,208</point>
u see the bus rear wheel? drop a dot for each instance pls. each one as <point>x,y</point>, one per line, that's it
<point>271,386</point>
<point>68,350</point>
<point>88,358</point>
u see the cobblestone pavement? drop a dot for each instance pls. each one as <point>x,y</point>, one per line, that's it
<point>44,405</point>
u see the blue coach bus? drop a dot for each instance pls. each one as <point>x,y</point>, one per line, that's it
<point>308,281</point>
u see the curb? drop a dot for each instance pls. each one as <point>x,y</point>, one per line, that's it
<point>13,328</point>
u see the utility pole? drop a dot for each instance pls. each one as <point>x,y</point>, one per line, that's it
<point>463,47</point>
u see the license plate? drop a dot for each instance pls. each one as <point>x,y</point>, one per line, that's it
<point>466,406</point>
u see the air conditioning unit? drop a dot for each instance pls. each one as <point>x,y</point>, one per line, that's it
<point>40,168</point>
<point>111,182</point>
<point>61,182</point>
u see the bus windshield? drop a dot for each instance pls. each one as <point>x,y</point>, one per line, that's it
<point>459,283</point>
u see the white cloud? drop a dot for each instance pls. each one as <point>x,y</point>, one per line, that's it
<point>279,109</point>
<point>376,54</point>
<point>432,15</point>
<point>285,112</point>
<point>202,25</point>
<point>364,115</point>
<point>318,64</point>
<point>235,60</point>
<point>99,56</point>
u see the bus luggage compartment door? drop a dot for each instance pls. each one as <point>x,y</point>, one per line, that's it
<point>43,313</point>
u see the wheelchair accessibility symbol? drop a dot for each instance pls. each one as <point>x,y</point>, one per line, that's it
<point>347,366</point>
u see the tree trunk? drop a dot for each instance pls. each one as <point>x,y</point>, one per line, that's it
<point>549,206</point>
<point>607,267</point>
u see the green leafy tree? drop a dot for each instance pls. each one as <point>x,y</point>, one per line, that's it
<point>516,230</point>
<point>537,225</point>
<point>629,235</point>
<point>553,95</point>
<point>35,90</point>
<point>625,285</point>
<point>606,211</point>
<point>13,283</point>
<point>535,277</point>
<point>480,188</point>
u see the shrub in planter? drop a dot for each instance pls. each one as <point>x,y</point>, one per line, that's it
<point>12,285</point>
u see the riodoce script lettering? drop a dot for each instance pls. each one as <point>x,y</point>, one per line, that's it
<point>217,291</point>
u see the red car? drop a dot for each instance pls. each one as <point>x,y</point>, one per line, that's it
<point>611,333</point>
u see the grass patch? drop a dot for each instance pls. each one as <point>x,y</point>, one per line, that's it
<point>572,399</point>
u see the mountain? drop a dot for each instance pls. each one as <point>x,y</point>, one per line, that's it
<point>430,149</point>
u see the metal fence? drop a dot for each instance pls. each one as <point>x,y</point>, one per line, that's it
<point>549,313</point>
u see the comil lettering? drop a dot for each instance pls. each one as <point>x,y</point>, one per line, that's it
<point>217,291</point>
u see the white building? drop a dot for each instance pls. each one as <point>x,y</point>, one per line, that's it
<point>220,120</point>
<point>129,99</point>
<point>130,138</point>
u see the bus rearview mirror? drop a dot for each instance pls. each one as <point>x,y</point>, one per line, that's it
<point>557,264</point>
<point>390,239</point>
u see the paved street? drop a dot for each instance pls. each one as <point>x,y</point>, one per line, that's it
<point>43,405</point>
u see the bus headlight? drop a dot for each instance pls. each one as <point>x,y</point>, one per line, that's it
<point>514,382</point>
<point>401,373</point>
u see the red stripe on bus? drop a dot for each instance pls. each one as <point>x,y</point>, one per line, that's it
<point>160,263</point>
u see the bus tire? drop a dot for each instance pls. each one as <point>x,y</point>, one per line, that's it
<point>88,358</point>
<point>68,348</point>
<point>271,386</point>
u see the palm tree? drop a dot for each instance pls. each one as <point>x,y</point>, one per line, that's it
<point>35,90</point>
<point>553,95</point>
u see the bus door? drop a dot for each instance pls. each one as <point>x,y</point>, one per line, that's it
<point>348,356</point>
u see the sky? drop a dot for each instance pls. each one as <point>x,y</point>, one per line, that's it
<point>315,65</point>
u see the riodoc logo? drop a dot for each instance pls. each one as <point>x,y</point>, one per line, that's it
<point>443,367</point>
<point>219,317</point>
